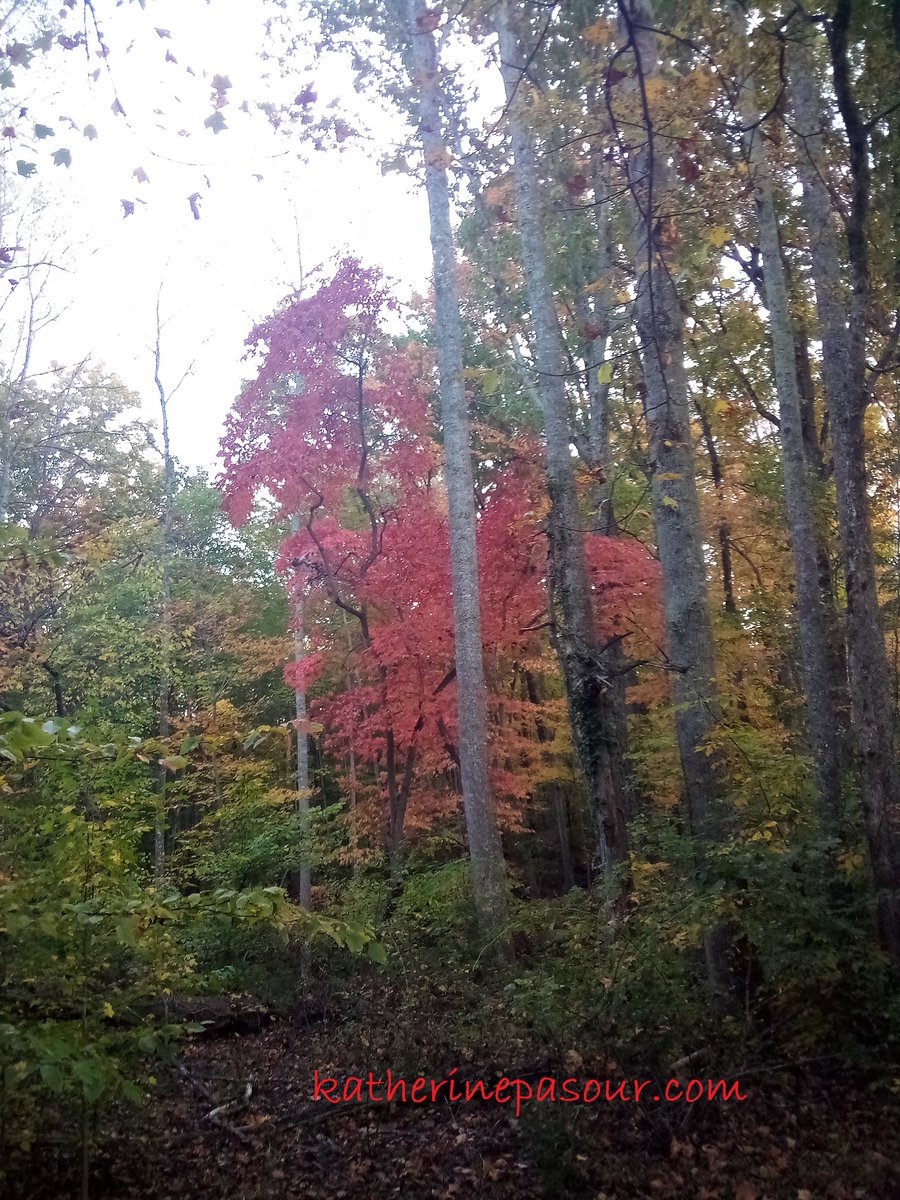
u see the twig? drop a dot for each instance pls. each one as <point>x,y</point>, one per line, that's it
<point>232,1105</point>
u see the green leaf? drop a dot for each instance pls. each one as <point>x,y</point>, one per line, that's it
<point>52,1077</point>
<point>490,383</point>
<point>126,931</point>
<point>216,122</point>
<point>605,373</point>
<point>7,79</point>
<point>43,131</point>
<point>132,1092</point>
<point>377,952</point>
<point>174,762</point>
<point>92,1080</point>
<point>355,940</point>
<point>26,169</point>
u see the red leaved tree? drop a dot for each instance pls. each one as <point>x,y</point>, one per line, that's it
<point>335,429</point>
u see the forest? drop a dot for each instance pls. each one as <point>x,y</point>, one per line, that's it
<point>508,717</point>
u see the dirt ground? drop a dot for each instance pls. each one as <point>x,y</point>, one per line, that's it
<point>803,1134</point>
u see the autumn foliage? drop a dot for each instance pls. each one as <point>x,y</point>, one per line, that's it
<point>336,428</point>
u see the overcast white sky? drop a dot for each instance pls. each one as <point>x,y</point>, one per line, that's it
<point>219,274</point>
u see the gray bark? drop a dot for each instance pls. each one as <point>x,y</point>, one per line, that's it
<point>597,734</point>
<point>660,331</point>
<point>843,321</point>
<point>599,313</point>
<point>816,665</point>
<point>488,870</point>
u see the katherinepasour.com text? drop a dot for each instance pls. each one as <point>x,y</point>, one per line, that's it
<point>516,1092</point>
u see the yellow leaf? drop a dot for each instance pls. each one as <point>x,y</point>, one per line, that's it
<point>717,235</point>
<point>655,88</point>
<point>605,373</point>
<point>108,1010</point>
<point>597,34</point>
<point>670,501</point>
<point>721,406</point>
<point>573,1060</point>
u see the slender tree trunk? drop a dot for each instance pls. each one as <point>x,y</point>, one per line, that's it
<point>488,870</point>
<point>304,882</point>
<point>6,402</point>
<point>601,454</point>
<point>561,816</point>
<point>601,313</point>
<point>533,689</point>
<point>598,734</point>
<point>723,529</point>
<point>164,727</point>
<point>843,322</point>
<point>815,660</point>
<point>660,332</point>
<point>354,783</point>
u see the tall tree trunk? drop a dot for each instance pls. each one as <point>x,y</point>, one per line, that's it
<point>843,322</point>
<point>660,331</point>
<point>816,665</point>
<point>354,783</point>
<point>488,870</point>
<point>304,882</point>
<point>6,401</point>
<point>600,312</point>
<point>601,452</point>
<point>597,734</point>
<point>164,727</point>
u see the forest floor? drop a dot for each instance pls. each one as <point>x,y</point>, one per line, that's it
<point>799,1136</point>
